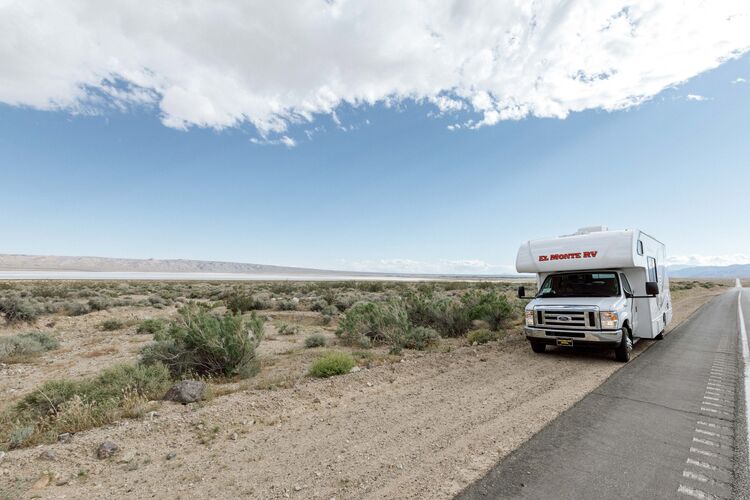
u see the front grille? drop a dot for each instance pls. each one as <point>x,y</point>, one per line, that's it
<point>567,318</point>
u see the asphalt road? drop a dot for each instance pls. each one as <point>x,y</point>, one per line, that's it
<point>669,424</point>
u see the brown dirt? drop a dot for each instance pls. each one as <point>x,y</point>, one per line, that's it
<point>423,427</point>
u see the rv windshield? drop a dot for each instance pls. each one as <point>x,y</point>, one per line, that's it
<point>584,284</point>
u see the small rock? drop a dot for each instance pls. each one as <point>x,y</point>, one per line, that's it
<point>40,483</point>
<point>186,391</point>
<point>369,384</point>
<point>65,437</point>
<point>63,481</point>
<point>2,456</point>
<point>48,455</point>
<point>355,369</point>
<point>106,450</point>
<point>233,437</point>
<point>316,400</point>
<point>269,318</point>
<point>152,414</point>
<point>126,458</point>
<point>297,487</point>
<point>171,455</point>
<point>295,300</point>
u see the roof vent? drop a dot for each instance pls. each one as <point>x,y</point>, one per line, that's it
<point>591,229</point>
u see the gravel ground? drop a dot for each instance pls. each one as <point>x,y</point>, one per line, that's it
<point>423,427</point>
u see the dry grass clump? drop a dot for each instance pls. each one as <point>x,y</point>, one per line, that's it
<point>25,346</point>
<point>62,406</point>
<point>333,363</point>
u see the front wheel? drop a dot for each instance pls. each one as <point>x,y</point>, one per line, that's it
<point>622,352</point>
<point>538,347</point>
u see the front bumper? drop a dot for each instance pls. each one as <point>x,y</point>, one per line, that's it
<point>601,338</point>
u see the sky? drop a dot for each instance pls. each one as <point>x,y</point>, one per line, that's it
<point>374,135</point>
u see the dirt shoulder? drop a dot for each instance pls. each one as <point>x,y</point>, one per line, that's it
<point>423,427</point>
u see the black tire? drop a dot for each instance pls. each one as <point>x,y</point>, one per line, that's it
<point>538,347</point>
<point>622,352</point>
<point>660,336</point>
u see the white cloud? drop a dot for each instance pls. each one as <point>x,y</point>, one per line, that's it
<point>739,80</point>
<point>696,97</point>
<point>442,266</point>
<point>708,260</point>
<point>224,63</point>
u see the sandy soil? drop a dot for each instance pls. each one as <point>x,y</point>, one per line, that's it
<point>424,427</point>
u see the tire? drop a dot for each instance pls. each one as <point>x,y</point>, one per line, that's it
<point>538,347</point>
<point>660,336</point>
<point>622,352</point>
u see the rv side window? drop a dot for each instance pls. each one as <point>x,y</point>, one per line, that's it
<point>626,285</point>
<point>652,269</point>
<point>640,247</point>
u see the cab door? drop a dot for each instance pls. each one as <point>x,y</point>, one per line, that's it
<point>631,305</point>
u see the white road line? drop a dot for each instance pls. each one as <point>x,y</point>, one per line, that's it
<point>745,360</point>
<point>712,425</point>
<point>707,442</point>
<point>687,490</point>
<point>698,463</point>
<point>688,474</point>
<point>703,452</point>
<point>708,433</point>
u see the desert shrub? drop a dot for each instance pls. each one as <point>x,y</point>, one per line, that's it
<point>333,363</point>
<point>17,310</point>
<point>419,338</point>
<point>151,326</point>
<point>449,316</point>
<point>490,306</point>
<point>242,302</point>
<point>75,309</point>
<point>99,304</point>
<point>318,305</point>
<point>316,340</point>
<point>71,406</point>
<point>287,329</point>
<point>110,325</point>
<point>158,301</point>
<point>329,310</point>
<point>198,342</point>
<point>19,348</point>
<point>286,305</point>
<point>369,323</point>
<point>481,336</point>
<point>344,301</point>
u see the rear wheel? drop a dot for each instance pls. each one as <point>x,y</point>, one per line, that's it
<point>660,336</point>
<point>538,347</point>
<point>622,352</point>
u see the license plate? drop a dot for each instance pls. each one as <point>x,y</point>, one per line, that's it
<point>565,342</point>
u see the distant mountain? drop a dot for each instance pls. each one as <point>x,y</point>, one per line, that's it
<point>106,264</point>
<point>40,263</point>
<point>733,271</point>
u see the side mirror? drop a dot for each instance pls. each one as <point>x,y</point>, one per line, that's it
<point>652,288</point>
<point>628,295</point>
<point>521,292</point>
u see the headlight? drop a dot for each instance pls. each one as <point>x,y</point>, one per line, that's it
<point>529,318</point>
<point>608,320</point>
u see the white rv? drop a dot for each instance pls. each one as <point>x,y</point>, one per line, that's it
<point>596,288</point>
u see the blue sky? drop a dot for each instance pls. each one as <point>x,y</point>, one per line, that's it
<point>388,187</point>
